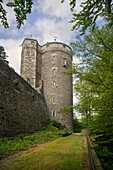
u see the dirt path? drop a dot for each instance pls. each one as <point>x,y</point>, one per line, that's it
<point>9,158</point>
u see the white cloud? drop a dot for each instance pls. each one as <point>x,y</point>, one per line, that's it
<point>48,28</point>
<point>13,51</point>
<point>55,21</point>
<point>77,7</point>
<point>53,7</point>
<point>77,60</point>
<point>10,16</point>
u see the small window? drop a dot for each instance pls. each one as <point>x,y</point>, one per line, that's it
<point>32,42</point>
<point>64,62</point>
<point>53,71</point>
<point>53,58</point>
<point>47,46</point>
<point>54,83</point>
<point>53,100</point>
<point>28,80</point>
<point>64,46</point>
<point>53,113</point>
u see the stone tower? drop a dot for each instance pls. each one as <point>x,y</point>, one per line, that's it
<point>43,67</point>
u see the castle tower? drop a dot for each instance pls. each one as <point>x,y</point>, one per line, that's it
<point>31,62</point>
<point>44,67</point>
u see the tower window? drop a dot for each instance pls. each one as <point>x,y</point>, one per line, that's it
<point>53,58</point>
<point>28,80</point>
<point>64,46</point>
<point>64,62</point>
<point>54,83</point>
<point>53,71</point>
<point>32,42</point>
<point>47,46</point>
<point>53,113</point>
<point>53,100</point>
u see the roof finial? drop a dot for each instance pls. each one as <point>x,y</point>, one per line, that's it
<point>55,38</point>
<point>31,36</point>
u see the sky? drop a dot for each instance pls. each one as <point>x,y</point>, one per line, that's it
<point>49,18</point>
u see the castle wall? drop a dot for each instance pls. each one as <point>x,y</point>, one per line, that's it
<point>22,109</point>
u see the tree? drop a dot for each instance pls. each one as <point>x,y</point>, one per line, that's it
<point>84,106</point>
<point>94,86</point>
<point>91,10</point>
<point>21,9</point>
<point>3,55</point>
<point>95,71</point>
<point>78,125</point>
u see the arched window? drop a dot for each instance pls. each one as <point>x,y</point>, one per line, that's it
<point>54,83</point>
<point>32,42</point>
<point>53,100</point>
<point>64,46</point>
<point>53,58</point>
<point>53,113</point>
<point>53,71</point>
<point>47,46</point>
<point>64,62</point>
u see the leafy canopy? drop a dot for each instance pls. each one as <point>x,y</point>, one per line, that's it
<point>21,9</point>
<point>95,71</point>
<point>94,87</point>
<point>90,11</point>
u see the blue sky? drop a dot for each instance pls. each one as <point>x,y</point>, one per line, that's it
<point>49,18</point>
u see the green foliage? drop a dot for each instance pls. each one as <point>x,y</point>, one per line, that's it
<point>106,157</point>
<point>11,145</point>
<point>66,110</point>
<point>94,88</point>
<point>3,17</point>
<point>3,55</point>
<point>89,13</point>
<point>78,125</point>
<point>101,128</point>
<point>57,125</point>
<point>62,154</point>
<point>21,9</point>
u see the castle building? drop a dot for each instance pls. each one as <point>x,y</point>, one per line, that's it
<point>42,67</point>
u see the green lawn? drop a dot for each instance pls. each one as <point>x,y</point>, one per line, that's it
<point>63,154</point>
<point>11,145</point>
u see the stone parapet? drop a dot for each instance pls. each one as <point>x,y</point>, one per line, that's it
<point>56,46</point>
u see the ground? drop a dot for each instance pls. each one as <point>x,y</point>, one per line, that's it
<point>68,153</point>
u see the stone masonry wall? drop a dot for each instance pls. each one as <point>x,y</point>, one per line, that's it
<point>22,109</point>
<point>29,61</point>
<point>62,91</point>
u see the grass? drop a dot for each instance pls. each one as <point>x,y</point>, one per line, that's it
<point>11,145</point>
<point>62,154</point>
